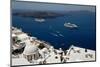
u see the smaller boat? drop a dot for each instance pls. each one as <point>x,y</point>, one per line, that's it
<point>61,35</point>
<point>39,19</point>
<point>54,34</point>
<point>70,25</point>
<point>58,32</point>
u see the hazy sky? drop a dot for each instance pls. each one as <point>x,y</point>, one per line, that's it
<point>51,7</point>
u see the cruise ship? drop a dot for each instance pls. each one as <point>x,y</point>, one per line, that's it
<point>70,25</point>
<point>27,50</point>
<point>39,20</point>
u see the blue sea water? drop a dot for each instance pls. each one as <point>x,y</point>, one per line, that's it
<point>53,30</point>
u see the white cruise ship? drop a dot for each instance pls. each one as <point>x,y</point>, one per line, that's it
<point>70,25</point>
<point>39,19</point>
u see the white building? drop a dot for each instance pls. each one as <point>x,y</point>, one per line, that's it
<point>31,52</point>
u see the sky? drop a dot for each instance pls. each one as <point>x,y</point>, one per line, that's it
<point>50,7</point>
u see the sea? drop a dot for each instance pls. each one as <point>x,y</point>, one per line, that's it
<point>52,30</point>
